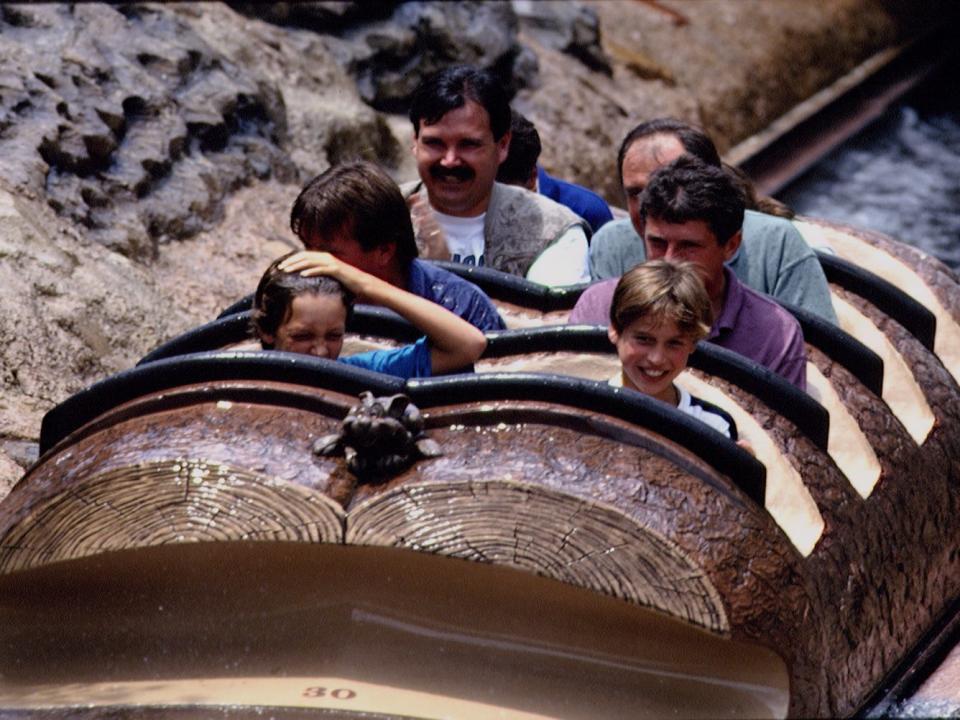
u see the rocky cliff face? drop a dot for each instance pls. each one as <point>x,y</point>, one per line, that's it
<point>151,152</point>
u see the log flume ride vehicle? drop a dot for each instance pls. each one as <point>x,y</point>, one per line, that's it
<point>205,531</point>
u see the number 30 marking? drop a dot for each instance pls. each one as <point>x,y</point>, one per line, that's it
<point>336,694</point>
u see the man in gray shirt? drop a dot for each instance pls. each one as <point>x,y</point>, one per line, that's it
<point>773,258</point>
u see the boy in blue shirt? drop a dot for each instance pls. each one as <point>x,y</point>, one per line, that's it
<point>356,212</point>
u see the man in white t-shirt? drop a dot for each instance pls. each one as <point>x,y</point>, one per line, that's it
<point>461,123</point>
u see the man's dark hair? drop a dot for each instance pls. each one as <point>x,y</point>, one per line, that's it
<point>524,152</point>
<point>694,140</point>
<point>688,189</point>
<point>450,88</point>
<point>273,300</point>
<point>357,199</point>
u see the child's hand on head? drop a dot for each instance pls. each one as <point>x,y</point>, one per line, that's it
<point>309,263</point>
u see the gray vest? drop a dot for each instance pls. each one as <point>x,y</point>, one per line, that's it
<point>519,225</point>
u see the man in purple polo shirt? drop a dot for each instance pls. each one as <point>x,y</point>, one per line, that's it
<point>693,212</point>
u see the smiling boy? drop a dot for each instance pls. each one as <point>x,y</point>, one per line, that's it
<point>659,311</point>
<point>692,212</point>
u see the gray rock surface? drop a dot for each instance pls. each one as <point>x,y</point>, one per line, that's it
<point>569,27</point>
<point>122,133</point>
<point>388,48</point>
<point>72,312</point>
<point>389,58</point>
<point>138,127</point>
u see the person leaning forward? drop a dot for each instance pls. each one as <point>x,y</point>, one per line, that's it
<point>694,212</point>
<point>461,127</point>
<point>355,212</point>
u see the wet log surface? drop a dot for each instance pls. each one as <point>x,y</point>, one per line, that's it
<point>571,494</point>
<point>567,484</point>
<point>341,617</point>
<point>190,443</point>
<point>941,280</point>
<point>201,470</point>
<point>815,605</point>
<point>546,509</point>
<point>583,500</point>
<point>848,564</point>
<point>568,496</point>
<point>918,495</point>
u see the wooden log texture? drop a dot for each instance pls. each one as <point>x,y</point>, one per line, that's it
<point>938,277</point>
<point>919,275</point>
<point>920,495</point>
<point>577,496</point>
<point>179,466</point>
<point>167,501</point>
<point>582,498</point>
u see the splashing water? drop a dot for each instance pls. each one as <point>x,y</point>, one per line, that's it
<point>900,176</point>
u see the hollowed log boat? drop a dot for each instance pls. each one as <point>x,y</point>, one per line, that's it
<point>577,550</point>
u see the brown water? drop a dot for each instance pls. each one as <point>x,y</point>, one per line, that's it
<point>358,629</point>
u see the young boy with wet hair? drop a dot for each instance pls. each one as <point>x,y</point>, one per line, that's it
<point>302,306</point>
<point>660,311</point>
<point>356,212</point>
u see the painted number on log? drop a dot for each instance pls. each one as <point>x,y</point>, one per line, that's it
<point>336,694</point>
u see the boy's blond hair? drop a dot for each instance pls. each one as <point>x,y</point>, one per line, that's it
<point>664,290</point>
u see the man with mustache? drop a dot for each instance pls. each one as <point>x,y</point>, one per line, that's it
<point>461,126</point>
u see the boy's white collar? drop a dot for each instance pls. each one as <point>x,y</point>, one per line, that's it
<point>683,396</point>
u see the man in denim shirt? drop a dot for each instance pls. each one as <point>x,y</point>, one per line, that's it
<point>356,212</point>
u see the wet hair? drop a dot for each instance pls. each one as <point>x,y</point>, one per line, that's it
<point>275,294</point>
<point>694,140</point>
<point>524,152</point>
<point>359,200</point>
<point>663,290</point>
<point>687,189</point>
<point>450,88</point>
